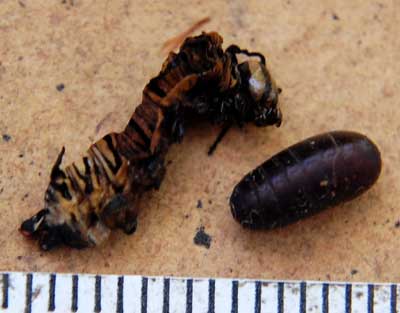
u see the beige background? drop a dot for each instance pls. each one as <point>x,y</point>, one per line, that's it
<point>339,69</point>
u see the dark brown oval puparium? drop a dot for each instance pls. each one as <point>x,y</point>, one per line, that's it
<point>306,178</point>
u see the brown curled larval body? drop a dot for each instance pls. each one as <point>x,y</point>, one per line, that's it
<point>87,199</point>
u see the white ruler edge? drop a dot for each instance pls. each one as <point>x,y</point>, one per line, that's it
<point>56,292</point>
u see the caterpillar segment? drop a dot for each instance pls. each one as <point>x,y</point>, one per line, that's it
<point>86,200</point>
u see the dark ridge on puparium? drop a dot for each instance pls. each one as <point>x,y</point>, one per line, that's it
<point>202,238</point>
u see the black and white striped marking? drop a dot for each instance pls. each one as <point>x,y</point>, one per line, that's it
<point>40,292</point>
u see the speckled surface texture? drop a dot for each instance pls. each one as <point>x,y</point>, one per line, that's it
<point>337,63</point>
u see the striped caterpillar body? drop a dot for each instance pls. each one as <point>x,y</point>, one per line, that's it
<point>88,199</point>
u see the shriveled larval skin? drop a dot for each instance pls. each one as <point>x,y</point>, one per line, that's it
<point>306,178</point>
<point>88,199</point>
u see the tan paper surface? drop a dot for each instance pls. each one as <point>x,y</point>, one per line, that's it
<point>337,63</point>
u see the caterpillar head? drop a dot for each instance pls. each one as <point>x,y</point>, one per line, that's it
<point>262,94</point>
<point>50,225</point>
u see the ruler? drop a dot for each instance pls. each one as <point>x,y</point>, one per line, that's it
<point>49,292</point>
